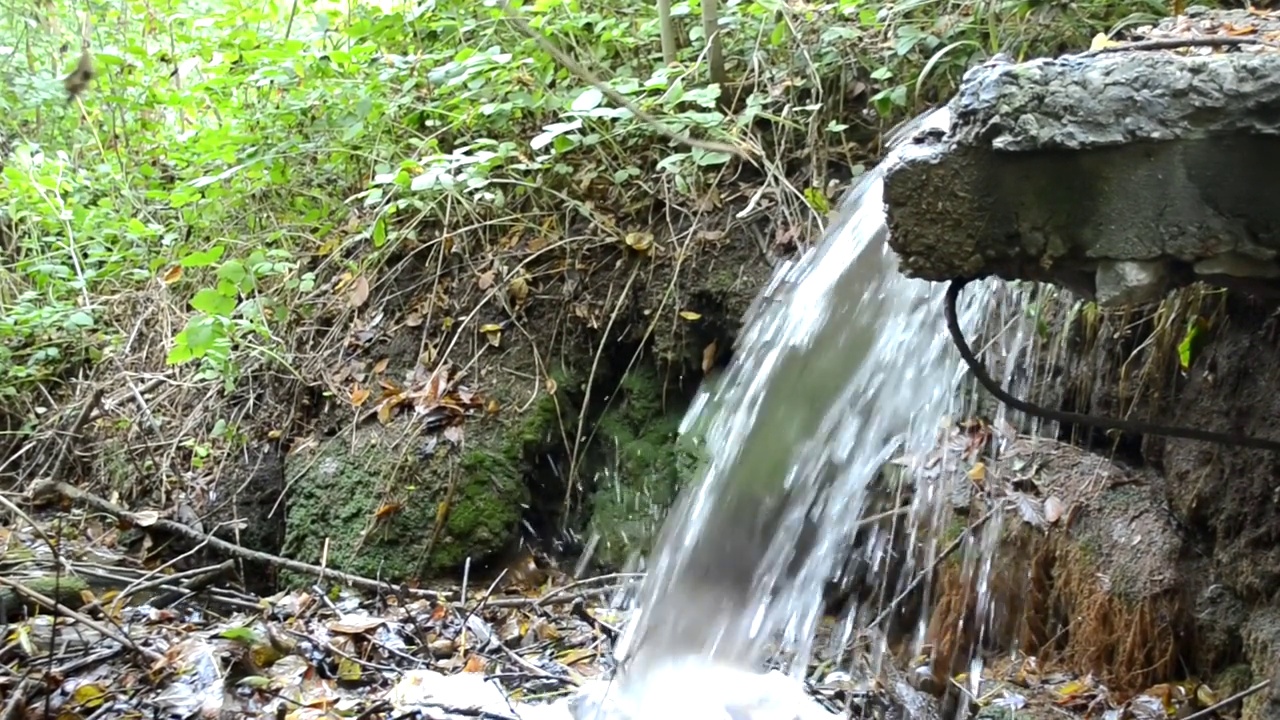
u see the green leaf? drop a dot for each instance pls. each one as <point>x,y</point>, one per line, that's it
<point>380,231</point>
<point>80,319</point>
<point>239,634</point>
<point>213,303</point>
<point>203,258</point>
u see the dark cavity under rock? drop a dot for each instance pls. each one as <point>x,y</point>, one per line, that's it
<point>1119,175</point>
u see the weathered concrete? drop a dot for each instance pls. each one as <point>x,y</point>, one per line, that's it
<point>1119,175</point>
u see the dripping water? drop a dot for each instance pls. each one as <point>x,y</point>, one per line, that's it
<point>843,364</point>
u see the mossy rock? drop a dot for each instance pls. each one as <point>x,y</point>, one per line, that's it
<point>643,462</point>
<point>338,493</point>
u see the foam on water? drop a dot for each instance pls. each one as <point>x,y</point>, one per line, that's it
<point>843,363</point>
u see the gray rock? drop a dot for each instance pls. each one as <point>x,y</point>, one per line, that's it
<point>1117,175</point>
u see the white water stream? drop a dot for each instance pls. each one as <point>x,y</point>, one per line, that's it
<point>843,363</point>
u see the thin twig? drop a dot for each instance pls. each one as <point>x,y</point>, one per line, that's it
<point>1176,43</point>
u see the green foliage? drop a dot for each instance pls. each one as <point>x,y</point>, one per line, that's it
<point>236,159</point>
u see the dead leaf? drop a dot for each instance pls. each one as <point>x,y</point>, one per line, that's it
<point>413,320</point>
<point>475,664</point>
<point>1101,41</point>
<point>359,292</point>
<point>386,510</point>
<point>641,242</point>
<point>978,473</point>
<point>492,407</point>
<point>453,434</point>
<point>519,289</point>
<point>1029,509</point>
<point>486,280</point>
<point>690,315</point>
<point>381,366</point>
<point>172,275</point>
<point>709,354</point>
<point>551,385</point>
<point>1054,509</point>
<point>359,395</point>
<point>146,518</point>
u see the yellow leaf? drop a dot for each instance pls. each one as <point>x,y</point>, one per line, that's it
<point>690,315</point>
<point>492,408</point>
<point>475,664</point>
<point>88,696</point>
<point>639,241</point>
<point>172,275</point>
<point>329,246</point>
<point>1101,41</point>
<point>493,333</point>
<point>1206,696</point>
<point>551,386</point>
<point>978,472</point>
<point>519,289</point>
<point>381,366</point>
<point>490,327</point>
<point>348,669</point>
<point>709,354</point>
<point>359,395</point>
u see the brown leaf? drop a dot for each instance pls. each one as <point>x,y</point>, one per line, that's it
<point>551,385</point>
<point>172,275</point>
<point>381,366</point>
<point>709,354</point>
<point>359,395</point>
<point>413,320</point>
<point>387,509</point>
<point>359,292</point>
<point>475,664</point>
<point>486,280</point>
<point>492,408</point>
<point>519,289</point>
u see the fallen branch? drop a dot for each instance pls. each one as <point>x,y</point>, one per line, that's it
<point>61,609</point>
<point>48,487</point>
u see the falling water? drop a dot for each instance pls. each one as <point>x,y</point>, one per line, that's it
<point>843,363</point>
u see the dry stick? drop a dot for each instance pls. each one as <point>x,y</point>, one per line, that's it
<point>356,581</point>
<point>57,607</point>
<point>586,76</point>
<point>1206,712</point>
<point>1175,43</point>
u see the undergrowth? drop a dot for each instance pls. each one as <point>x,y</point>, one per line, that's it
<point>243,176</point>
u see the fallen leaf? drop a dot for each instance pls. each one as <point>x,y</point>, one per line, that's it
<point>359,292</point>
<point>709,354</point>
<point>486,280</point>
<point>1054,509</point>
<point>978,472</point>
<point>641,242</point>
<point>475,664</point>
<point>690,315</point>
<point>453,434</point>
<point>413,320</point>
<point>519,289</point>
<point>146,518</point>
<point>492,407</point>
<point>172,275</point>
<point>359,395</point>
<point>381,366</point>
<point>386,510</point>
<point>551,385</point>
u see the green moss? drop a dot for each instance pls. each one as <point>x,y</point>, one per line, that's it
<point>334,503</point>
<point>644,466</point>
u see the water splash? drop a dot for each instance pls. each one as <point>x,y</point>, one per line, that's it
<point>843,363</point>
